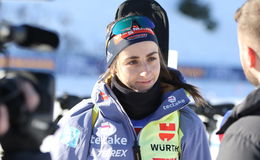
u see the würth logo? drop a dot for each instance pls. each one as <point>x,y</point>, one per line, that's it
<point>169,128</point>
<point>103,96</point>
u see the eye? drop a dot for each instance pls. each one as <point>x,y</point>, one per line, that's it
<point>132,62</point>
<point>150,59</point>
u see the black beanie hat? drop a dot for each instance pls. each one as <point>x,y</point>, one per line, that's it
<point>119,42</point>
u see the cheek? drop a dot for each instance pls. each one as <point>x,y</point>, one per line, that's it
<point>124,75</point>
<point>157,69</point>
<point>122,72</point>
<point>243,60</point>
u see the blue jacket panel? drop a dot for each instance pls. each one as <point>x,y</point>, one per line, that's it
<point>195,144</point>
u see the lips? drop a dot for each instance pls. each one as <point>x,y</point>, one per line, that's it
<point>144,85</point>
<point>146,82</point>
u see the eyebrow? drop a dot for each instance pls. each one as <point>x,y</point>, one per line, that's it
<point>136,57</point>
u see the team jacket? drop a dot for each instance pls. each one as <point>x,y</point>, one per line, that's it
<point>100,129</point>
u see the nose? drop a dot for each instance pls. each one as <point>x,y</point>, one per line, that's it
<point>145,70</point>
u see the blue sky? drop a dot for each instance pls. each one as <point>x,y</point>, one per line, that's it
<point>88,19</point>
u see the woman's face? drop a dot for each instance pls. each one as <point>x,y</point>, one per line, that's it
<point>138,66</point>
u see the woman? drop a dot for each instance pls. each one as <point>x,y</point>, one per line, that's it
<point>138,108</point>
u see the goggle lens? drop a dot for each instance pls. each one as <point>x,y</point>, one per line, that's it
<point>127,23</point>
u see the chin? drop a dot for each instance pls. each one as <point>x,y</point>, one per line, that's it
<point>143,89</point>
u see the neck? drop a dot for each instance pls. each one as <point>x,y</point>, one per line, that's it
<point>137,105</point>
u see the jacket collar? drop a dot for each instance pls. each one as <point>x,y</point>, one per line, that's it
<point>250,106</point>
<point>109,105</point>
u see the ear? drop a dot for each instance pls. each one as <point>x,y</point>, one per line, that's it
<point>252,57</point>
<point>113,70</point>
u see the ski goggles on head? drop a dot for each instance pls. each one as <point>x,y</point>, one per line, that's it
<point>126,24</point>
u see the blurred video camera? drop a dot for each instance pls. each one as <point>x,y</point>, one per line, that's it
<point>27,128</point>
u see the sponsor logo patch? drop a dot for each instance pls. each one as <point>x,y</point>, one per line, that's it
<point>105,139</point>
<point>103,96</point>
<point>106,129</point>
<point>137,36</point>
<point>108,153</point>
<point>70,136</point>
<point>164,147</point>
<point>176,100</point>
<point>174,104</point>
<point>104,135</point>
<point>167,131</point>
<point>171,99</point>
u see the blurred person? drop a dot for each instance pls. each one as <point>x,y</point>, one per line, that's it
<point>4,117</point>
<point>32,100</point>
<point>241,129</point>
<point>18,100</point>
<point>138,108</point>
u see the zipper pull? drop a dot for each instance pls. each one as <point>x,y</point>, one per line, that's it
<point>137,152</point>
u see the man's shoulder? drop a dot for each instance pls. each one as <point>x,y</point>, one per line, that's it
<point>241,140</point>
<point>246,127</point>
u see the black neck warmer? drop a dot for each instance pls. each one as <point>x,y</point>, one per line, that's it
<point>137,105</point>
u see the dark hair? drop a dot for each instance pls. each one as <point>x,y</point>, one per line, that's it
<point>175,78</point>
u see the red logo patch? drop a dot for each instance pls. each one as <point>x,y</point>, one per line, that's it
<point>103,96</point>
<point>170,127</point>
<point>137,36</point>
<point>171,99</point>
